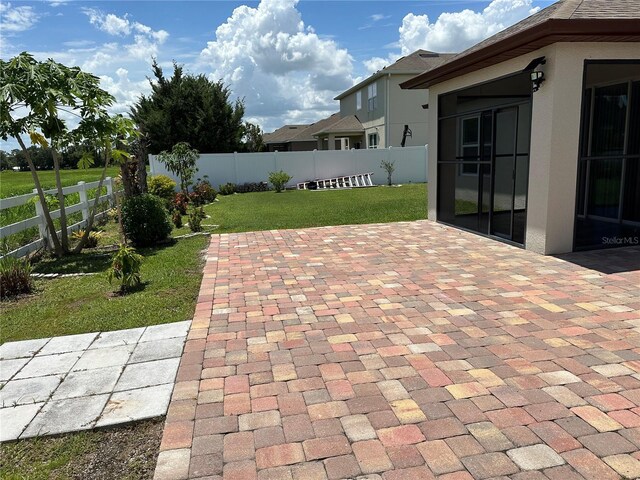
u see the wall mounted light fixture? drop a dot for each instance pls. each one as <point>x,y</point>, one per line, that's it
<point>536,79</point>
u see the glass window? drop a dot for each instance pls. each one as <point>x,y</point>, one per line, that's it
<point>609,118</point>
<point>470,145</point>
<point>372,93</point>
<point>358,99</point>
<point>373,140</point>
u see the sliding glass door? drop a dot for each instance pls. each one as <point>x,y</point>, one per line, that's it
<point>483,158</point>
<point>608,202</point>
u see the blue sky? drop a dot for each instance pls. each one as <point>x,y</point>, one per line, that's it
<point>287,58</point>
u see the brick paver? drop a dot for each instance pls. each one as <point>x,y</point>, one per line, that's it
<point>407,350</point>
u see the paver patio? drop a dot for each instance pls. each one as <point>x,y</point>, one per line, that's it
<point>77,382</point>
<point>407,351</point>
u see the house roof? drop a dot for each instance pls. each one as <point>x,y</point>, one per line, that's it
<point>284,134</point>
<point>412,64</point>
<point>564,21</point>
<point>308,133</point>
<point>348,124</point>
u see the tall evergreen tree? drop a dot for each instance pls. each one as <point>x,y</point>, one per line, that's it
<point>189,108</point>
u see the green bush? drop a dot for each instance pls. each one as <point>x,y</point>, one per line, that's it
<point>125,267</point>
<point>15,277</point>
<point>279,180</point>
<point>162,186</point>
<point>252,187</point>
<point>195,219</point>
<point>145,220</point>
<point>227,189</point>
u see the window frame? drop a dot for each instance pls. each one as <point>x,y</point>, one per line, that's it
<point>374,144</point>
<point>372,95</point>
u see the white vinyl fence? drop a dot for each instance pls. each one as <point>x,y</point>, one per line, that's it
<point>84,205</point>
<point>221,168</point>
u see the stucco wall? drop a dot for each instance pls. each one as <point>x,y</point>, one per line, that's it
<point>405,108</point>
<point>556,110</point>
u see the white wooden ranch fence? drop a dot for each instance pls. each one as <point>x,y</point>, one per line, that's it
<point>84,205</point>
<point>410,165</point>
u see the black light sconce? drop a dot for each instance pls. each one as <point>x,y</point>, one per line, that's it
<point>537,77</point>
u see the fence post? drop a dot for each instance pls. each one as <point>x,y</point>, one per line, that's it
<point>42,224</point>
<point>84,201</point>
<point>235,166</point>
<point>110,198</point>
<point>315,170</point>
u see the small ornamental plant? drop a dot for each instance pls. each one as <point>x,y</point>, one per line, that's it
<point>279,180</point>
<point>15,277</point>
<point>389,167</point>
<point>125,269</point>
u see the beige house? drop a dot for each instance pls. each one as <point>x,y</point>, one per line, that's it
<point>534,133</point>
<point>384,109</point>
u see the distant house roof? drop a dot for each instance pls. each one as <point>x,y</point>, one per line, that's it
<point>412,64</point>
<point>564,21</point>
<point>348,124</point>
<point>302,133</point>
<point>284,134</point>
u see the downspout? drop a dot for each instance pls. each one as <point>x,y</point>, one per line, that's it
<point>387,113</point>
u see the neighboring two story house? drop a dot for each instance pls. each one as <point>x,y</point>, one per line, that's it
<point>383,109</point>
<point>373,114</point>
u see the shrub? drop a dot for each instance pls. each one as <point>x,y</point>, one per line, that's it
<point>180,203</point>
<point>279,180</point>
<point>203,192</point>
<point>92,240</point>
<point>125,267</point>
<point>15,277</point>
<point>144,220</point>
<point>195,219</point>
<point>227,189</point>
<point>162,186</point>
<point>252,187</point>
<point>176,218</point>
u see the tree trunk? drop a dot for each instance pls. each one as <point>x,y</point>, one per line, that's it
<point>64,235</point>
<point>92,211</point>
<point>43,201</point>
<point>128,181</point>
<point>141,174</point>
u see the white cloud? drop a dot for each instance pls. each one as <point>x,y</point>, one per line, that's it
<point>125,91</point>
<point>452,32</point>
<point>16,19</point>
<point>456,31</point>
<point>277,64</point>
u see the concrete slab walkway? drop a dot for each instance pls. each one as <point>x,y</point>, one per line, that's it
<point>77,382</point>
<point>407,351</point>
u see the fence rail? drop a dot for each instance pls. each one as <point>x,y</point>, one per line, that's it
<point>221,168</point>
<point>84,205</point>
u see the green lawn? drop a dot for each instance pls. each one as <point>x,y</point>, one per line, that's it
<point>18,183</point>
<point>127,452</point>
<point>65,306</point>
<point>303,208</point>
